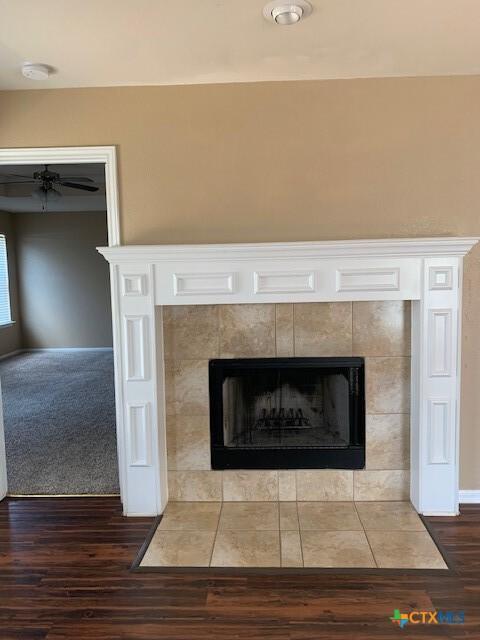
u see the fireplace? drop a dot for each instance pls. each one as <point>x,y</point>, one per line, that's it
<point>147,279</point>
<point>287,413</point>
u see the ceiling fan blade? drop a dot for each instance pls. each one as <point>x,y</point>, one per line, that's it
<point>73,185</point>
<point>19,182</point>
<point>76,179</point>
<point>17,175</point>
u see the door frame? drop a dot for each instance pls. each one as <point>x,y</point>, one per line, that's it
<point>106,155</point>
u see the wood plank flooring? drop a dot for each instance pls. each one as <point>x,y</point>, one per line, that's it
<point>65,574</point>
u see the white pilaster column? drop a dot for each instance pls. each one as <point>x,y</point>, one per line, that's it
<point>143,456</point>
<point>436,333</point>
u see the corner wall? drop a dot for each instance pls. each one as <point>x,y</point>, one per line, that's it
<point>63,281</point>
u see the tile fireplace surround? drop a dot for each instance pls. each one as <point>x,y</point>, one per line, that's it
<point>195,334</point>
<point>365,296</point>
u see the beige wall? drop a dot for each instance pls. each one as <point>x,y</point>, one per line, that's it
<point>286,161</point>
<point>10,336</point>
<point>63,281</point>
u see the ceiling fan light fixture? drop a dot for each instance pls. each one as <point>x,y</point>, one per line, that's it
<point>283,13</point>
<point>53,194</point>
<point>46,196</point>
<point>39,193</point>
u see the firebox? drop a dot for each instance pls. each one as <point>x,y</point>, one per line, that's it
<point>287,413</point>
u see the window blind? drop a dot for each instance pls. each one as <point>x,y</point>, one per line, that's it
<point>5,313</point>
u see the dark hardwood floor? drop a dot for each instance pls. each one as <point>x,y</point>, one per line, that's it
<point>65,573</point>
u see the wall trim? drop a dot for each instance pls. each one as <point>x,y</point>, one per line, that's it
<point>66,349</point>
<point>469,496</point>
<point>10,354</point>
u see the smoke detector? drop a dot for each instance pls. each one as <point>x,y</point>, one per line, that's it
<point>36,71</point>
<point>284,13</point>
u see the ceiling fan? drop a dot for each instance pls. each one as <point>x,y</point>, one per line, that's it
<point>46,181</point>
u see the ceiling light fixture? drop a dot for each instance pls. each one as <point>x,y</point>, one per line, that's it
<point>283,13</point>
<point>46,195</point>
<point>36,71</point>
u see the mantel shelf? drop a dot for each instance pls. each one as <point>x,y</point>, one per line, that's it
<point>395,247</point>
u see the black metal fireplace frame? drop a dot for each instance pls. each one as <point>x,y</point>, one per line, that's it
<point>349,457</point>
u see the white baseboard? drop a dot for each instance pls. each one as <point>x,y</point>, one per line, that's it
<point>12,353</point>
<point>469,496</point>
<point>59,349</point>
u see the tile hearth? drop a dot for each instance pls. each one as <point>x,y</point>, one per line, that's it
<point>292,534</point>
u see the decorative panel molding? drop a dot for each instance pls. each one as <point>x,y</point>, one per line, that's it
<point>135,348</point>
<point>368,279</point>
<point>438,431</point>
<point>440,342</point>
<point>185,284</point>
<point>139,440</point>
<point>284,281</point>
<point>440,278</point>
<point>134,285</point>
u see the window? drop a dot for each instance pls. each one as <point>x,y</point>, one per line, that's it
<point>5,312</point>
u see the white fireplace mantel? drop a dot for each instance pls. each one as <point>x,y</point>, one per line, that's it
<point>427,271</point>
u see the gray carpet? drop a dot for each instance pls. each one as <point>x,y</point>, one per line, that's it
<point>59,414</point>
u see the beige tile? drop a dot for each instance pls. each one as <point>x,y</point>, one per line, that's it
<point>323,329</point>
<point>179,549</point>
<point>246,549</point>
<point>388,441</point>
<point>284,330</point>
<point>291,549</point>
<point>324,485</point>
<point>405,550</point>
<point>387,385</point>
<point>381,485</point>
<point>191,516</point>
<point>260,486</point>
<point>288,516</point>
<point>328,516</point>
<point>336,549</point>
<point>190,332</point>
<point>247,330</point>
<point>381,328</point>
<point>255,516</point>
<point>169,387</point>
<point>188,443</point>
<point>389,516</point>
<point>186,387</point>
<point>287,486</point>
<point>195,486</point>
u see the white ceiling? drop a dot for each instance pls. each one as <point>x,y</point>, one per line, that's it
<point>155,42</point>
<point>93,170</point>
<point>16,197</point>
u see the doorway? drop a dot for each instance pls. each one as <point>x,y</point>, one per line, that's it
<point>57,206</point>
